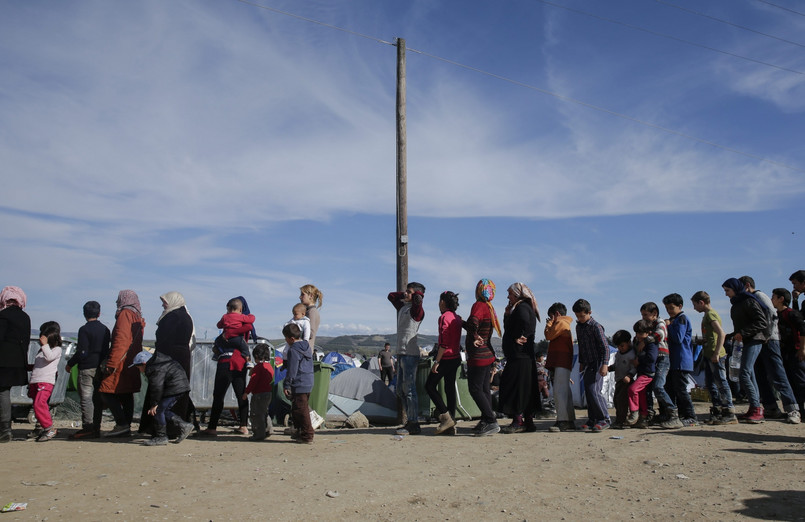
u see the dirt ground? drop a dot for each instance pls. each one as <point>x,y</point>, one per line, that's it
<point>718,473</point>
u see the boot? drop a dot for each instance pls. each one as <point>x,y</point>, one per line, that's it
<point>751,411</point>
<point>632,418</point>
<point>160,437</point>
<point>445,422</point>
<point>727,416</point>
<point>715,416</point>
<point>658,419</point>
<point>516,426</point>
<point>673,421</point>
<point>754,415</point>
<point>641,424</point>
<point>5,432</point>
<point>185,428</point>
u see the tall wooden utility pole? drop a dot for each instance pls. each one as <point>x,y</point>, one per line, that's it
<point>402,177</point>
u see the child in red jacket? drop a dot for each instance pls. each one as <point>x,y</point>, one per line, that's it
<point>260,384</point>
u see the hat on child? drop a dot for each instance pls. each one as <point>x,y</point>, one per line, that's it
<point>141,358</point>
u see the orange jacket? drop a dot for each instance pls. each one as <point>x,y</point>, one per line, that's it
<point>127,341</point>
<point>560,347</point>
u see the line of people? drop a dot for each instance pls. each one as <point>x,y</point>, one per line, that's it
<point>657,363</point>
<point>109,366</point>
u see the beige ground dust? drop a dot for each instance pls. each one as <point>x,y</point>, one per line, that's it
<point>706,472</point>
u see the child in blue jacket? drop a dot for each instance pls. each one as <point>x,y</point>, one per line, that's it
<point>299,381</point>
<point>681,355</point>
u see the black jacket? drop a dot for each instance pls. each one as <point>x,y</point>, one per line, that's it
<point>749,319</point>
<point>166,378</point>
<point>521,322</point>
<point>15,335</point>
<point>173,337</point>
<point>93,346</point>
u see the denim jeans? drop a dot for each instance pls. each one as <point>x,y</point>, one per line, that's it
<point>774,374</point>
<point>749,355</point>
<point>164,413</point>
<point>90,397</point>
<point>406,384</point>
<point>658,385</point>
<point>715,376</point>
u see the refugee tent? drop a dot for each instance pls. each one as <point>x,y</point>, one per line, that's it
<point>336,358</point>
<point>372,364</point>
<point>357,389</point>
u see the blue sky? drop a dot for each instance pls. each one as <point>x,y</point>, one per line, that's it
<point>219,149</point>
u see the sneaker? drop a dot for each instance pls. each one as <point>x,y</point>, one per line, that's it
<point>513,428</point>
<point>632,417</point>
<point>689,422</point>
<point>529,427</point>
<point>119,431</point>
<point>34,433</point>
<point>414,428</point>
<point>641,423</point>
<point>600,426</point>
<point>46,435</point>
<point>792,417</point>
<point>83,433</point>
<point>488,429</point>
<point>726,418</point>
<point>555,428</point>
<point>477,427</point>
<point>159,440</point>
<point>775,414</point>
<point>403,430</point>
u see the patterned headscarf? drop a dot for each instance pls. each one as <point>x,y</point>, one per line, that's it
<point>11,295</point>
<point>173,300</point>
<point>128,299</point>
<point>485,292</point>
<point>523,293</point>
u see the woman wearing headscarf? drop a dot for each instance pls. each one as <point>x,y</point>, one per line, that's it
<point>750,320</point>
<point>480,324</point>
<point>120,382</point>
<point>231,371</point>
<point>518,382</point>
<point>174,338</point>
<point>15,335</point>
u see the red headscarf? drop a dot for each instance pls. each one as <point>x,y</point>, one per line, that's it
<point>485,292</point>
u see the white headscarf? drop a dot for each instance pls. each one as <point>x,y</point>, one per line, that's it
<point>174,301</point>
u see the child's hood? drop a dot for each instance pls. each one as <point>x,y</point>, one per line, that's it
<point>303,347</point>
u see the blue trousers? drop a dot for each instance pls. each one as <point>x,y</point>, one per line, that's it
<point>596,404</point>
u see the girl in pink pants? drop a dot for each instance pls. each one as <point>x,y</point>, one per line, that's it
<point>43,377</point>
